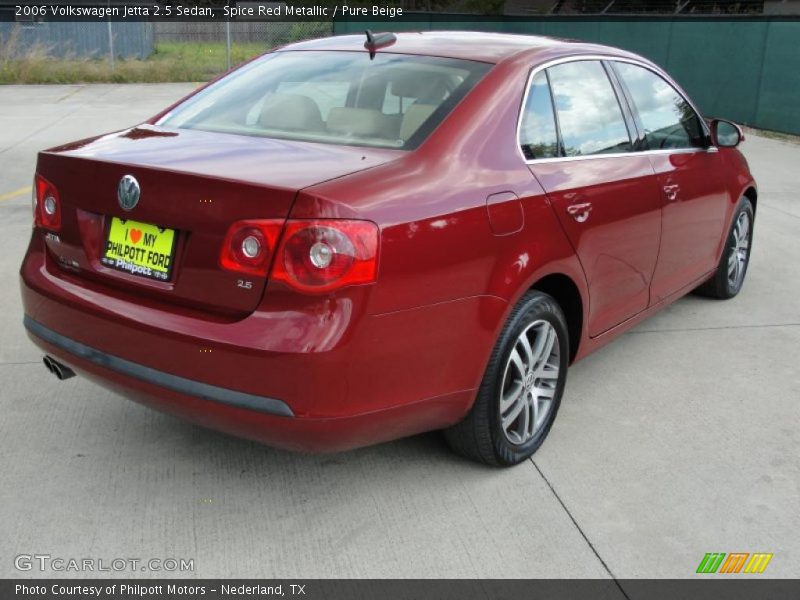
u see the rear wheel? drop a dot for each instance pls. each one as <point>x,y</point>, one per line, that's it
<point>732,267</point>
<point>521,389</point>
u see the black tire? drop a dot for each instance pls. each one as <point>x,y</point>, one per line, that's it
<point>720,285</point>
<point>480,436</point>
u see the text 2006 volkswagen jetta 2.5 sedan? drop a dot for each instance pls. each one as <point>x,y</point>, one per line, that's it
<point>345,241</point>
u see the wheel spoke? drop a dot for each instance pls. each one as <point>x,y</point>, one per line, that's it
<point>547,373</point>
<point>512,415</point>
<point>538,347</point>
<point>509,397</point>
<point>517,362</point>
<point>525,429</point>
<point>544,393</point>
<point>744,222</point>
<point>526,346</point>
<point>545,339</point>
<point>550,340</point>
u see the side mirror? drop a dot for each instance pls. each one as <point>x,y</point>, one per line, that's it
<point>726,134</point>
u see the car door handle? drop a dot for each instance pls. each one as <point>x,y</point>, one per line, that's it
<point>671,191</point>
<point>580,212</point>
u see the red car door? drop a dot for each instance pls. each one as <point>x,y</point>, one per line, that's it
<point>605,196</point>
<point>689,175</point>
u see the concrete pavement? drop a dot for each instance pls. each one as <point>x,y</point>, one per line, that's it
<point>678,439</point>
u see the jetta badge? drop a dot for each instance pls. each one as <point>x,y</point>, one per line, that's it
<point>128,192</point>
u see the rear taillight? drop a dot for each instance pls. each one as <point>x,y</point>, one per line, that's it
<point>250,245</point>
<point>317,256</point>
<point>46,205</point>
<point>312,256</point>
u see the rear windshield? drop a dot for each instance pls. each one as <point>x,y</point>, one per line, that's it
<point>391,101</point>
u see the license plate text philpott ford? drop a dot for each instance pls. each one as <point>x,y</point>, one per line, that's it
<point>140,248</point>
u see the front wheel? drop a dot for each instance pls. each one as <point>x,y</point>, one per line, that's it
<point>521,388</point>
<point>732,267</point>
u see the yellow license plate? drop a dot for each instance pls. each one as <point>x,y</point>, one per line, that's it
<point>140,248</point>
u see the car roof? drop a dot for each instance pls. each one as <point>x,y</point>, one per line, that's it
<point>469,45</point>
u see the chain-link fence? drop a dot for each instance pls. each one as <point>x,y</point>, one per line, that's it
<point>102,39</point>
<point>35,51</point>
<point>234,42</point>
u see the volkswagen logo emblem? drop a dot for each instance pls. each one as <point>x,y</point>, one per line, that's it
<point>128,192</point>
<point>528,382</point>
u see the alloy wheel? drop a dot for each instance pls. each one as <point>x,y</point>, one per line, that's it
<point>737,258</point>
<point>530,381</point>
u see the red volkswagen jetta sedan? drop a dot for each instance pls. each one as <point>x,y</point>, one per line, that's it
<point>345,242</point>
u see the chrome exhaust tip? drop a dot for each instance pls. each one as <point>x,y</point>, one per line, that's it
<point>61,371</point>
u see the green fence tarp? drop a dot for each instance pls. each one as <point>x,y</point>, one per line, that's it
<point>746,69</point>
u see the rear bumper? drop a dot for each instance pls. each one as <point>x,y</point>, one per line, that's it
<point>151,376</point>
<point>315,374</point>
<point>255,421</point>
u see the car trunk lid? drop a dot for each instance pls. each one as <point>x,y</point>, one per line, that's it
<point>194,183</point>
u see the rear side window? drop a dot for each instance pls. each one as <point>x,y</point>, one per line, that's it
<point>390,101</point>
<point>589,115</point>
<point>537,135</point>
<point>669,121</point>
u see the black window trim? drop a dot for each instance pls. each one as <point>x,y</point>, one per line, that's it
<point>560,151</point>
<point>606,57</point>
<point>636,128</point>
<point>623,106</point>
<point>559,140</point>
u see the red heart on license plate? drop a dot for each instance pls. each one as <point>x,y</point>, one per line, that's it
<point>136,235</point>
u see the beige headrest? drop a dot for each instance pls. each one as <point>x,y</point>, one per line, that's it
<point>410,83</point>
<point>291,112</point>
<point>415,116</point>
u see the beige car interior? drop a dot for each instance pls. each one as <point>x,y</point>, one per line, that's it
<point>292,112</point>
<point>420,94</point>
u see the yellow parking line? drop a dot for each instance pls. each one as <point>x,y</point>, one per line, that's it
<point>15,193</point>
